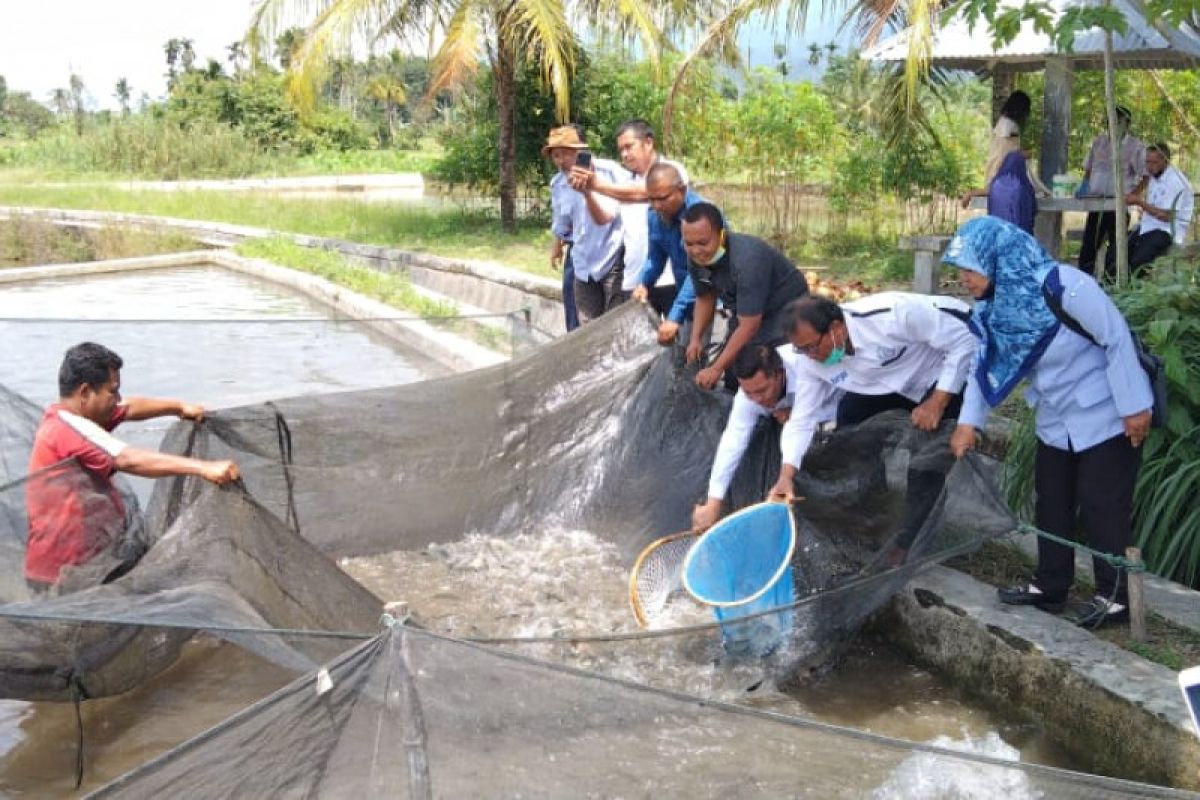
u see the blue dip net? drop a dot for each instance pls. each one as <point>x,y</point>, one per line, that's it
<point>742,568</point>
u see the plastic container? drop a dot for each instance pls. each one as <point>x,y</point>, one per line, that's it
<point>741,568</point>
<point>1064,186</point>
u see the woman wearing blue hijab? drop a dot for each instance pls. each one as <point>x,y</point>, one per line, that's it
<point>1010,194</point>
<point>1092,401</point>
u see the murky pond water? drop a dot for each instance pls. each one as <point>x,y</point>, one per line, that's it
<point>563,583</point>
<point>539,583</point>
<point>203,334</point>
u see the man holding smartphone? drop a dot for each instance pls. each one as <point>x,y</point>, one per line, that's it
<point>635,146</point>
<point>589,221</point>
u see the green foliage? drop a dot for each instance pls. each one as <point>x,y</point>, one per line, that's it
<point>920,173</point>
<point>148,147</point>
<point>29,239</point>
<point>24,116</point>
<point>1165,311</point>
<point>856,188</point>
<point>471,143</point>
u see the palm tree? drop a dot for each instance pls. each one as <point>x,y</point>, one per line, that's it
<point>505,33</point>
<point>286,45</point>
<point>171,49</point>
<point>77,102</point>
<point>871,18</point>
<point>123,92</point>
<point>187,54</point>
<point>60,101</point>
<point>237,55</point>
<point>391,93</point>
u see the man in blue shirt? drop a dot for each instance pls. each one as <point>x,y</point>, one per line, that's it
<point>669,197</point>
<point>589,221</point>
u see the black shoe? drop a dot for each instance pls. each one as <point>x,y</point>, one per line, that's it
<point>1098,612</point>
<point>1026,595</point>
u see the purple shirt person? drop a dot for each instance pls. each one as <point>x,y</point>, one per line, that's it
<point>1010,194</point>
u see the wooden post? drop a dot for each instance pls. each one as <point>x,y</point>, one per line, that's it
<point>1056,127</point>
<point>1137,597</point>
<point>1004,80</point>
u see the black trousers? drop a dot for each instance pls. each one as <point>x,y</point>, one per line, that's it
<point>1093,488</point>
<point>1100,228</point>
<point>1143,248</point>
<point>855,408</point>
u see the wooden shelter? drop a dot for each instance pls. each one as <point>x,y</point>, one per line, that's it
<point>1145,45</point>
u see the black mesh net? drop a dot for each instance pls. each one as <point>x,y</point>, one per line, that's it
<point>410,714</point>
<point>448,495</point>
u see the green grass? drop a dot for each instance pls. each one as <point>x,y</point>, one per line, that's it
<point>391,288</point>
<point>444,232</point>
<point>387,287</point>
<point>27,240</point>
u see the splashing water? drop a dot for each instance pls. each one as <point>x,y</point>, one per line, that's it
<point>562,583</point>
<point>924,775</point>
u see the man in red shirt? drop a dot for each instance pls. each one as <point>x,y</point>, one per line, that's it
<point>75,511</point>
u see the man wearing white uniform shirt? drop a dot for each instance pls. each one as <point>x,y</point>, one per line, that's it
<point>1166,211</point>
<point>892,350</point>
<point>635,145</point>
<point>766,388</point>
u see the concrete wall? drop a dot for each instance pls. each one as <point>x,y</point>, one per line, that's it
<point>1117,713</point>
<point>437,352</point>
<point>488,286</point>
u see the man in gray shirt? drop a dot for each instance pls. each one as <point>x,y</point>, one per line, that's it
<point>1098,181</point>
<point>753,281</point>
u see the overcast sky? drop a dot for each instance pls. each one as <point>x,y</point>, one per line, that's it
<point>43,41</point>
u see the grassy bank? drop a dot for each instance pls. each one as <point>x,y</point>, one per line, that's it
<point>391,288</point>
<point>394,289</point>
<point>445,232</point>
<point>27,241</point>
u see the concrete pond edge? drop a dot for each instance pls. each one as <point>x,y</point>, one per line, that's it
<point>438,352</point>
<point>485,285</point>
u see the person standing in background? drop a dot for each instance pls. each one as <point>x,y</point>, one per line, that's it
<point>1101,226</point>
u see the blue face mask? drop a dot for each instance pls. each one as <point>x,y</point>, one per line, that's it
<point>835,355</point>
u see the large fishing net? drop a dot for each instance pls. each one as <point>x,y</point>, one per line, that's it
<point>447,496</point>
<point>414,715</point>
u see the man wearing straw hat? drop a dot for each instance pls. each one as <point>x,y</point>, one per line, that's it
<point>589,221</point>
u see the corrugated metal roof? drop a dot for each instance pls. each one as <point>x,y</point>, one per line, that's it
<point>1142,46</point>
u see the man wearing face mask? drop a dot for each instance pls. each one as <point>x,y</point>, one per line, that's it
<point>753,281</point>
<point>886,351</point>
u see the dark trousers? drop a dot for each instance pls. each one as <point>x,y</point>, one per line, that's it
<point>662,298</point>
<point>855,408</point>
<point>593,298</point>
<point>1100,228</point>
<point>1143,248</point>
<point>568,294</point>
<point>1093,488</point>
